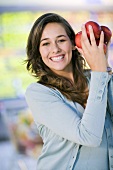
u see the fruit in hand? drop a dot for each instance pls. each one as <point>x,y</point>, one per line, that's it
<point>107,34</point>
<point>97,31</point>
<point>78,39</point>
<point>96,28</point>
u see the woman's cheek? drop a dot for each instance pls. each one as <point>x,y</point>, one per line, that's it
<point>44,52</point>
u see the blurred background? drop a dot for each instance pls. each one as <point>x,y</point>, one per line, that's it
<point>20,143</point>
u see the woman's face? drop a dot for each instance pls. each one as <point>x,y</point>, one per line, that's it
<point>56,48</point>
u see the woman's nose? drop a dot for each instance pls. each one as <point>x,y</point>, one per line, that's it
<point>55,48</point>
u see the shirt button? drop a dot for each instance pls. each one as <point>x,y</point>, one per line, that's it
<point>100,91</point>
<point>102,83</point>
<point>111,156</point>
<point>98,97</point>
<point>111,166</point>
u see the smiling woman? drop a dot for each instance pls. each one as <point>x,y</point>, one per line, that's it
<point>69,103</point>
<point>56,48</point>
<point>39,53</point>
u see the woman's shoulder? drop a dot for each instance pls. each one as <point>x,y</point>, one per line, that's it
<point>35,85</point>
<point>39,89</point>
<point>36,88</point>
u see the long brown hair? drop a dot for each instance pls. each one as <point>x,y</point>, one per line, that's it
<point>75,92</point>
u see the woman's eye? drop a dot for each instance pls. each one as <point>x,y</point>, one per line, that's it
<point>61,40</point>
<point>45,44</point>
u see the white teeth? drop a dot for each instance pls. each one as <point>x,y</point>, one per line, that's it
<point>57,58</point>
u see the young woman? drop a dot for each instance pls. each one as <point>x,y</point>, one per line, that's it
<point>72,107</point>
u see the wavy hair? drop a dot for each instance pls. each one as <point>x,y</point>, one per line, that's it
<point>75,92</point>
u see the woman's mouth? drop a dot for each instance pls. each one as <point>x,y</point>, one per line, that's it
<point>59,58</point>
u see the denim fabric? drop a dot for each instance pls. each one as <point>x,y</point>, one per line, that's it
<point>74,138</point>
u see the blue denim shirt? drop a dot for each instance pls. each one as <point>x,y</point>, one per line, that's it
<point>74,138</point>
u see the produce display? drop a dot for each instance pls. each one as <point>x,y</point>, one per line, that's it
<point>24,133</point>
<point>97,31</point>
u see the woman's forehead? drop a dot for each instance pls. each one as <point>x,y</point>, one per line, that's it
<point>53,29</point>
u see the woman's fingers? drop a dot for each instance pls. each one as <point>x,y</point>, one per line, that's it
<point>93,53</point>
<point>89,45</point>
<point>86,42</point>
<point>84,39</point>
<point>92,37</point>
<point>101,42</point>
<point>107,49</point>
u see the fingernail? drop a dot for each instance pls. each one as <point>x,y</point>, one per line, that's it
<point>90,27</point>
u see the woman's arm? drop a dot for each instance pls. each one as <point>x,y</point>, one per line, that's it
<point>110,85</point>
<point>50,109</point>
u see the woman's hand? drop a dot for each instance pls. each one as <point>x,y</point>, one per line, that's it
<point>93,54</point>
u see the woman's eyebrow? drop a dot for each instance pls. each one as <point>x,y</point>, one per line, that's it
<point>44,39</point>
<point>48,38</point>
<point>61,36</point>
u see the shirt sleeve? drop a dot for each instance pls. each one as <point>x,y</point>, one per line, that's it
<point>110,96</point>
<point>49,109</point>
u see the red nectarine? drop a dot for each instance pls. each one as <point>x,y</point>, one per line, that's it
<point>107,34</point>
<point>78,39</point>
<point>97,31</point>
<point>96,28</point>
